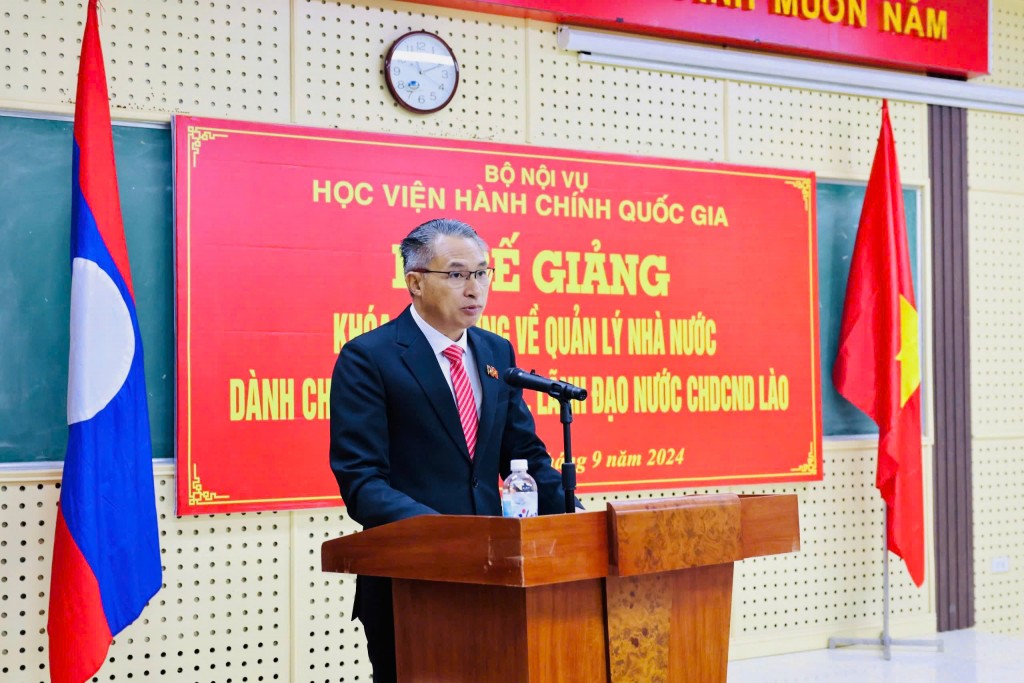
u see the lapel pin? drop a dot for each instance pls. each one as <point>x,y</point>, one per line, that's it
<point>491,372</point>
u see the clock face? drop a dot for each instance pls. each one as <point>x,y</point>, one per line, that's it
<point>421,72</point>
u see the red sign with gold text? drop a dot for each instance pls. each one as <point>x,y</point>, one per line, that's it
<point>681,295</point>
<point>934,36</point>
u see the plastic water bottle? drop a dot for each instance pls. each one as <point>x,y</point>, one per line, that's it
<point>519,495</point>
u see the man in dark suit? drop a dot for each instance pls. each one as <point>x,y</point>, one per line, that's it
<point>420,421</point>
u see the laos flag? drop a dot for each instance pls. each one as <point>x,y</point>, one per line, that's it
<point>106,552</point>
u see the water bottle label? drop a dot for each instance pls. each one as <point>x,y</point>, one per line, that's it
<point>519,505</point>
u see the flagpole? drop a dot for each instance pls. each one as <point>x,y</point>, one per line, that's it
<point>877,368</point>
<point>885,641</point>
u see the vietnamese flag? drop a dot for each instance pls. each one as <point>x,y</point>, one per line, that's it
<point>878,365</point>
<point>106,548</point>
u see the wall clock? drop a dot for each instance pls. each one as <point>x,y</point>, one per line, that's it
<point>421,72</point>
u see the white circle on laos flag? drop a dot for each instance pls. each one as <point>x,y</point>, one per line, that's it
<point>102,341</point>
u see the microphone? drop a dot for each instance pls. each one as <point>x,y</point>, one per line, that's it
<point>516,377</point>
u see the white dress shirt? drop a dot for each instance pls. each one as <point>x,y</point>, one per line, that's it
<point>439,342</point>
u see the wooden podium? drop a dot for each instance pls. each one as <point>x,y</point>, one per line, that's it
<point>639,593</point>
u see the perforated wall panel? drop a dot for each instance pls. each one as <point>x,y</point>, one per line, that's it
<point>223,611</point>
<point>834,585</point>
<point>339,67</point>
<point>329,645</point>
<point>997,313</point>
<point>243,597</point>
<point>39,44</point>
<point>204,57</point>
<point>995,214</point>
<point>616,109</point>
<point>995,159</point>
<point>996,211</point>
<point>25,556</point>
<point>1006,58</point>
<point>999,535</point>
<point>835,135</point>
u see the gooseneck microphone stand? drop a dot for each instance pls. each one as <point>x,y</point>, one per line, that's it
<point>560,393</point>
<point>568,466</point>
<point>563,392</point>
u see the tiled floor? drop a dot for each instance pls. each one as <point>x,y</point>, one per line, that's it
<point>967,657</point>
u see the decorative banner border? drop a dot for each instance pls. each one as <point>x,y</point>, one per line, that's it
<point>682,295</point>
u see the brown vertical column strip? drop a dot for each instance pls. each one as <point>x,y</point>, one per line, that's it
<point>954,557</point>
<point>935,127</point>
<point>963,389</point>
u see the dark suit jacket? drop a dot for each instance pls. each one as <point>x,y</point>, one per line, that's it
<point>397,446</point>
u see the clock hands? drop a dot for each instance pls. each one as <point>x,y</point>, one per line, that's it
<point>431,78</point>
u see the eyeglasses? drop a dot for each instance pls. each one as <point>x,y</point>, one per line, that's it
<point>458,278</point>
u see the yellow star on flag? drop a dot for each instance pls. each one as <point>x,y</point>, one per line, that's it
<point>909,356</point>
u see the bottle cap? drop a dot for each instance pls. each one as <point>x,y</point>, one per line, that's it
<point>518,465</point>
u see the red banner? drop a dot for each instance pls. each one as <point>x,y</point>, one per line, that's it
<point>681,295</point>
<point>935,36</point>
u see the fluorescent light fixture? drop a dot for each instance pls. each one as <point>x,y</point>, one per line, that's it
<point>616,49</point>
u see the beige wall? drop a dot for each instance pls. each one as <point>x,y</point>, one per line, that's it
<point>995,177</point>
<point>243,596</point>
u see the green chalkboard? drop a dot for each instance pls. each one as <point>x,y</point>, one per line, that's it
<point>35,278</point>
<point>35,214</point>
<point>838,213</point>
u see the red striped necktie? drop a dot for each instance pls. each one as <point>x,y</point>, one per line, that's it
<point>463,395</point>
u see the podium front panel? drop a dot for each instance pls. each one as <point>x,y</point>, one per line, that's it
<point>468,633</point>
<point>670,627</point>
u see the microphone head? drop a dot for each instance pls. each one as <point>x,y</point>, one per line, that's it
<point>510,374</point>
